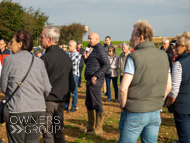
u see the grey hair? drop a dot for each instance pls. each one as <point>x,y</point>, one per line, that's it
<point>73,41</point>
<point>52,32</point>
<point>125,43</point>
<point>166,39</point>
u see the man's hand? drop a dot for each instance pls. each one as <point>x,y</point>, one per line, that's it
<point>86,54</point>
<point>94,80</point>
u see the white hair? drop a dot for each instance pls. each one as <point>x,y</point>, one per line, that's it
<point>125,43</point>
<point>52,32</point>
<point>74,42</point>
<point>166,40</point>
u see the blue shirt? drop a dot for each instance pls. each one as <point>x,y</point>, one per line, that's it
<point>130,66</point>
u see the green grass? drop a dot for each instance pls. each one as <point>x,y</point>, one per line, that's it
<point>85,43</point>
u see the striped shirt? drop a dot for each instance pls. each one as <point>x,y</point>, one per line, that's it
<point>75,57</point>
<point>176,79</point>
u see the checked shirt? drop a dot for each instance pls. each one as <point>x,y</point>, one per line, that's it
<point>75,57</point>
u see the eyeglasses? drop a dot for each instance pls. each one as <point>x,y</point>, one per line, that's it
<point>109,51</point>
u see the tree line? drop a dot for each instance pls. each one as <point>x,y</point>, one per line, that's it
<point>14,17</point>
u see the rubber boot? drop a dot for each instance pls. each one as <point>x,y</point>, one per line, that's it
<point>91,122</point>
<point>99,125</point>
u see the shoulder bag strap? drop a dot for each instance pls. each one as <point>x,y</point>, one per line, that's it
<point>112,62</point>
<point>20,83</point>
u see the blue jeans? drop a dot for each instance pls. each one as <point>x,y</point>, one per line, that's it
<point>74,94</point>
<point>133,125</point>
<point>182,122</point>
<point>114,80</point>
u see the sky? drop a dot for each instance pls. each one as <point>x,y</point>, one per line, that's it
<point>115,18</point>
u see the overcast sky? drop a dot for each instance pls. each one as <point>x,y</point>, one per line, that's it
<point>116,17</point>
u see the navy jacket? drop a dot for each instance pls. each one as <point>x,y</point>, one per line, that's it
<point>182,102</point>
<point>97,63</point>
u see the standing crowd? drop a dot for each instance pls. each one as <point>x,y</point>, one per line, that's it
<point>150,79</point>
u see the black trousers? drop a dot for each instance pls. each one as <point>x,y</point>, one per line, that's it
<point>80,78</point>
<point>93,95</point>
<point>53,131</point>
<point>25,127</point>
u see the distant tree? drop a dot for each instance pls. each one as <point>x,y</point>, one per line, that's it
<point>14,17</point>
<point>10,19</point>
<point>74,31</point>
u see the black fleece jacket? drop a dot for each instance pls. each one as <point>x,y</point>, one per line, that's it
<point>97,63</point>
<point>60,72</point>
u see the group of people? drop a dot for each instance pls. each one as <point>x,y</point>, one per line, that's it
<point>116,63</point>
<point>145,83</point>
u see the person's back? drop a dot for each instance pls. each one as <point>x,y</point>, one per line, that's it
<point>151,66</point>
<point>26,76</point>
<point>145,82</point>
<point>18,65</point>
<point>57,71</point>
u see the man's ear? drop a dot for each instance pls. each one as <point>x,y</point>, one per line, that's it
<point>49,39</point>
<point>141,38</point>
<point>20,44</point>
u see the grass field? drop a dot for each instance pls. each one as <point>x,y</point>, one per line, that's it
<point>76,120</point>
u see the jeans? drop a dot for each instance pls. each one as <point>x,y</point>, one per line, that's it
<point>133,125</point>
<point>114,80</point>
<point>182,122</point>
<point>74,94</point>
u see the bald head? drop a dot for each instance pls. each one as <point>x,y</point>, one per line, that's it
<point>93,39</point>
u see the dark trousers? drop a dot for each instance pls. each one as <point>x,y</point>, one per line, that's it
<point>25,127</point>
<point>114,80</point>
<point>93,95</point>
<point>53,131</point>
<point>182,122</point>
<point>80,78</point>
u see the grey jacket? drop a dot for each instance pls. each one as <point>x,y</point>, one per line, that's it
<point>122,60</point>
<point>30,97</point>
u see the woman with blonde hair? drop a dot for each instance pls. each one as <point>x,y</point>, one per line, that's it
<point>179,96</point>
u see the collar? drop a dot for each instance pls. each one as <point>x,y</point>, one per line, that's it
<point>97,45</point>
<point>145,44</point>
<point>52,48</point>
<point>183,55</point>
<point>69,53</point>
<point>125,54</point>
